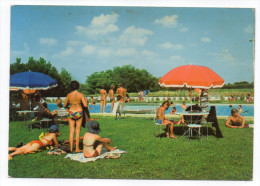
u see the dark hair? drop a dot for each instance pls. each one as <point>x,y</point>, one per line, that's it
<point>74,85</point>
<point>127,95</point>
<point>45,105</point>
<point>119,97</point>
<point>233,111</point>
<point>168,104</point>
<point>240,106</point>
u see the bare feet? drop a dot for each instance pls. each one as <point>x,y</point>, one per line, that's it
<point>78,150</point>
<point>10,157</point>
<point>173,137</point>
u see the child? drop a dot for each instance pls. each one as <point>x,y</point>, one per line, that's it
<point>237,121</point>
<point>93,143</point>
<point>35,145</point>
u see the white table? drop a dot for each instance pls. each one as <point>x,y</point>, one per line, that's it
<point>192,125</point>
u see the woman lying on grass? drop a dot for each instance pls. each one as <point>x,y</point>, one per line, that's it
<point>93,143</point>
<point>35,145</point>
<point>235,120</point>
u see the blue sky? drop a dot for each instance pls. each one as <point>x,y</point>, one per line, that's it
<point>85,39</point>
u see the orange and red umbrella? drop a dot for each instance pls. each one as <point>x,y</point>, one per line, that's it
<point>191,76</point>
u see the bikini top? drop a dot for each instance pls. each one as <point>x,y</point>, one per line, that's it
<point>48,141</point>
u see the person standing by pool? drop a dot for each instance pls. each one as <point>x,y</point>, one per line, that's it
<point>112,96</point>
<point>103,93</point>
<point>75,99</point>
<point>121,91</point>
<point>235,120</point>
<point>160,115</point>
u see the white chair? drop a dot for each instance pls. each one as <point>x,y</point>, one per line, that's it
<point>160,126</point>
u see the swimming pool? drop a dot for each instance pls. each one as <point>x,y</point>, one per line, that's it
<point>222,110</point>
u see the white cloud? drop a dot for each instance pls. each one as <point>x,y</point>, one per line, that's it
<point>75,43</point>
<point>126,52</point>
<point>183,29</point>
<point>176,58</point>
<point>104,53</point>
<point>135,36</point>
<point>205,39</point>
<point>47,41</point>
<point>101,25</point>
<point>168,21</point>
<point>148,54</point>
<point>169,45</point>
<point>67,52</point>
<point>225,56</point>
<point>249,29</point>
<point>18,53</point>
<point>87,50</point>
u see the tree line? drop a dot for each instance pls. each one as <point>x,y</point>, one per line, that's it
<point>133,79</point>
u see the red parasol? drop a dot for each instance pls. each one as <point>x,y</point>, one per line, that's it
<point>191,76</point>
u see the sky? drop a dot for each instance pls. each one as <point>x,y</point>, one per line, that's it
<point>87,39</point>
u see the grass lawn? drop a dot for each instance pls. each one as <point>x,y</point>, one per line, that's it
<point>148,157</point>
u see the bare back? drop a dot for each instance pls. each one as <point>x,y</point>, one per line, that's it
<point>160,113</point>
<point>120,91</point>
<point>111,93</point>
<point>75,99</point>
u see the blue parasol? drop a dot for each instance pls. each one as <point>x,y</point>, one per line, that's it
<point>31,80</point>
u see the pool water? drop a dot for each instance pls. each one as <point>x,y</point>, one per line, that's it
<point>222,110</point>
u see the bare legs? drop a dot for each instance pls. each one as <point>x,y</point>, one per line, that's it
<point>170,124</point>
<point>23,150</point>
<point>72,130</point>
<point>112,105</point>
<point>103,106</point>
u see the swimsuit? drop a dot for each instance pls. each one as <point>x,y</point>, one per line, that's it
<point>159,121</point>
<point>49,142</point>
<point>75,115</point>
<point>96,153</point>
<point>38,142</point>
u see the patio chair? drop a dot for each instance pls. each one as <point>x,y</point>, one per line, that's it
<point>156,124</point>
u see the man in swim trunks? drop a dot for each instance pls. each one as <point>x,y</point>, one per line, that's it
<point>112,97</point>
<point>121,92</point>
<point>160,115</point>
<point>235,120</point>
<point>103,93</point>
<point>93,143</point>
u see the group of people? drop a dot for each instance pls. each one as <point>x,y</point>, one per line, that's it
<point>92,142</point>
<point>235,120</point>
<point>122,97</point>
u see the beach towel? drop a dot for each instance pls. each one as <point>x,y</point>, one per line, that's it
<point>108,155</point>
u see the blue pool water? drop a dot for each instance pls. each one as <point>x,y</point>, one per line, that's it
<point>222,110</point>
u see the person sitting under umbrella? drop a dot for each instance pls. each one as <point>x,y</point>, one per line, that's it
<point>35,145</point>
<point>164,121</point>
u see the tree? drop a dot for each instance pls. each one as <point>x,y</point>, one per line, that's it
<point>132,79</point>
<point>42,66</point>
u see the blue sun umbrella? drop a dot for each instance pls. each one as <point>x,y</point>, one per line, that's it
<point>31,80</point>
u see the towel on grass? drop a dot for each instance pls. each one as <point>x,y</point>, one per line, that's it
<point>109,155</point>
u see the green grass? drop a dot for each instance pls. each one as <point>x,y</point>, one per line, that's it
<point>228,158</point>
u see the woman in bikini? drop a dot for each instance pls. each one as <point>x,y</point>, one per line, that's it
<point>75,99</point>
<point>235,120</point>
<point>93,143</point>
<point>35,145</point>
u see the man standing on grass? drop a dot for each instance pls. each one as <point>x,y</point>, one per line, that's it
<point>160,115</point>
<point>112,97</point>
<point>103,93</point>
<point>121,92</point>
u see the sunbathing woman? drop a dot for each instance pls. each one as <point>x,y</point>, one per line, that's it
<point>75,99</point>
<point>93,143</point>
<point>35,145</point>
<point>237,121</point>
